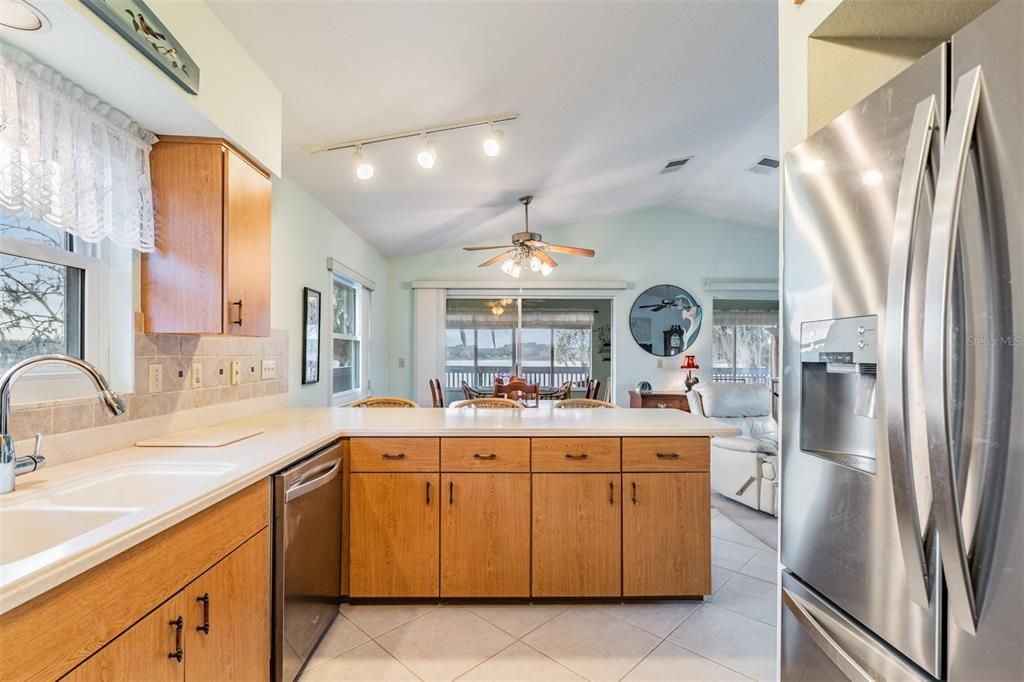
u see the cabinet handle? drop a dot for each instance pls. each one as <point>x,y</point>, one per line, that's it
<point>239,304</point>
<point>451,492</point>
<point>428,493</point>
<point>611,493</point>
<point>634,491</point>
<point>569,455</point>
<point>388,455</point>
<point>667,455</point>
<point>477,455</point>
<point>205,600</point>
<point>178,653</point>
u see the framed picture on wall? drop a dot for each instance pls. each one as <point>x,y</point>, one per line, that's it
<point>310,336</point>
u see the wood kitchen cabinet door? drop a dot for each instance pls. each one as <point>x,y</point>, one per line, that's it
<point>246,248</point>
<point>485,535</point>
<point>666,534</point>
<point>394,534</point>
<point>145,651</point>
<point>577,535</point>
<point>228,616</point>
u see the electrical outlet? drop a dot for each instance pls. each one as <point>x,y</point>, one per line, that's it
<point>401,363</point>
<point>156,378</point>
<point>268,370</point>
<point>197,375</point>
<point>236,372</point>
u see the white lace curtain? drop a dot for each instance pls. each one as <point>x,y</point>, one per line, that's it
<point>71,160</point>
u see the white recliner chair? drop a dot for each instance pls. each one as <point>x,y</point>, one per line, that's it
<point>745,467</point>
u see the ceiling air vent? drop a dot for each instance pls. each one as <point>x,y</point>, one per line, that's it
<point>674,165</point>
<point>766,165</point>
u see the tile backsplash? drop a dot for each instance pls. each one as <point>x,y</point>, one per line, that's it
<point>175,354</point>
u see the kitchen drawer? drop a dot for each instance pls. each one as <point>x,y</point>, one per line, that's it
<point>575,454</point>
<point>485,454</point>
<point>395,454</point>
<point>666,454</point>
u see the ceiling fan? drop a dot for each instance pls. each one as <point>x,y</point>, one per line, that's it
<point>528,248</point>
<point>677,302</point>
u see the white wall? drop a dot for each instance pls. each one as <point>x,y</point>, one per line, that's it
<point>648,247</point>
<point>304,234</point>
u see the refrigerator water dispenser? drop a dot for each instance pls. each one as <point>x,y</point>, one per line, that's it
<point>838,367</point>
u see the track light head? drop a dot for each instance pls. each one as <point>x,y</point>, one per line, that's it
<point>427,155</point>
<point>492,143</point>
<point>364,169</point>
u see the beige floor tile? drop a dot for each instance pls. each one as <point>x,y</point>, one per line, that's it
<point>366,663</point>
<point>376,619</point>
<point>729,554</point>
<point>518,619</point>
<point>657,618</point>
<point>342,637</point>
<point>671,663</point>
<point>444,643</point>
<point>727,529</point>
<point>592,643</point>
<point>719,577</point>
<point>730,639</point>
<point>764,565</point>
<point>748,596</point>
<point>519,662</point>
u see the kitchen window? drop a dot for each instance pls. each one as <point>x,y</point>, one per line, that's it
<point>349,339</point>
<point>745,341</point>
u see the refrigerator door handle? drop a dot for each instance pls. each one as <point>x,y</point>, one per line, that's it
<point>823,640</point>
<point>943,241</point>
<point>908,200</point>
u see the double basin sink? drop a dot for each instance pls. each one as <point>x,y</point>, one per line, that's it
<point>52,516</point>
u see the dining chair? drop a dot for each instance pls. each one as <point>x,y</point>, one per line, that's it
<point>593,389</point>
<point>471,392</point>
<point>384,402</point>
<point>488,403</point>
<point>436,393</point>
<point>518,390</point>
<point>576,403</point>
<point>560,393</point>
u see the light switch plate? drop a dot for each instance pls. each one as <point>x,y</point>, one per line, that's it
<point>401,363</point>
<point>661,364</point>
<point>236,372</point>
<point>156,378</point>
<point>197,375</point>
<point>268,370</point>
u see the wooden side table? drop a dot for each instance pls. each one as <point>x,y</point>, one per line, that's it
<point>675,400</point>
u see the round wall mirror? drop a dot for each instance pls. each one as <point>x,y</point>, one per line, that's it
<point>665,320</point>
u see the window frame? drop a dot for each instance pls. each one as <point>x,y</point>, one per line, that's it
<point>735,346</point>
<point>56,382</point>
<point>362,337</point>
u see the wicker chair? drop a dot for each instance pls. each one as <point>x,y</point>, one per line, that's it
<point>576,403</point>
<point>488,403</point>
<point>560,393</point>
<point>436,393</point>
<point>471,392</point>
<point>384,402</point>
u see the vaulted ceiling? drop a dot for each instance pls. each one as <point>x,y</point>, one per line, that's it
<point>607,93</point>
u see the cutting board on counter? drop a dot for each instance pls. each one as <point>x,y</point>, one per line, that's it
<point>207,437</point>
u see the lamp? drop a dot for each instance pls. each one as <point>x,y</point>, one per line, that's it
<point>690,364</point>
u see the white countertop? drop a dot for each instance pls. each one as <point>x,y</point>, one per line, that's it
<point>288,435</point>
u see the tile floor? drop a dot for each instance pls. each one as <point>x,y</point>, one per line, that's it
<point>729,636</point>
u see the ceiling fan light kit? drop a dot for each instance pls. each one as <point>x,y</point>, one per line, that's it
<point>529,249</point>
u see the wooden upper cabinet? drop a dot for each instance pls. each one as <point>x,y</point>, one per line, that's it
<point>210,271</point>
<point>228,616</point>
<point>666,535</point>
<point>147,651</point>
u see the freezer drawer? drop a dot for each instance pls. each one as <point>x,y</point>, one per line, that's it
<point>821,644</point>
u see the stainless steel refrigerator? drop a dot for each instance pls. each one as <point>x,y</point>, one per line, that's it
<point>902,524</point>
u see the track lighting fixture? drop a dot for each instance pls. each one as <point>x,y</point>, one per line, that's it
<point>428,154</point>
<point>364,170</point>
<point>492,143</point>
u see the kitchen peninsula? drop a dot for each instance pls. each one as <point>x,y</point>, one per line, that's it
<point>438,504</point>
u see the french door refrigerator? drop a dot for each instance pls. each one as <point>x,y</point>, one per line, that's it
<point>902,524</point>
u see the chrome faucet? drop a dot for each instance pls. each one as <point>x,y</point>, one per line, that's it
<point>11,465</point>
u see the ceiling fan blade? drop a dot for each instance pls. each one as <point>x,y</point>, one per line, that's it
<point>545,258</point>
<point>483,248</point>
<point>497,258</point>
<point>570,250</point>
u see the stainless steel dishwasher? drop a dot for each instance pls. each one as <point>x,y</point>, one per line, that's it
<point>307,557</point>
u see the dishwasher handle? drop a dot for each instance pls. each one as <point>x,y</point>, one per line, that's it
<point>312,480</point>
